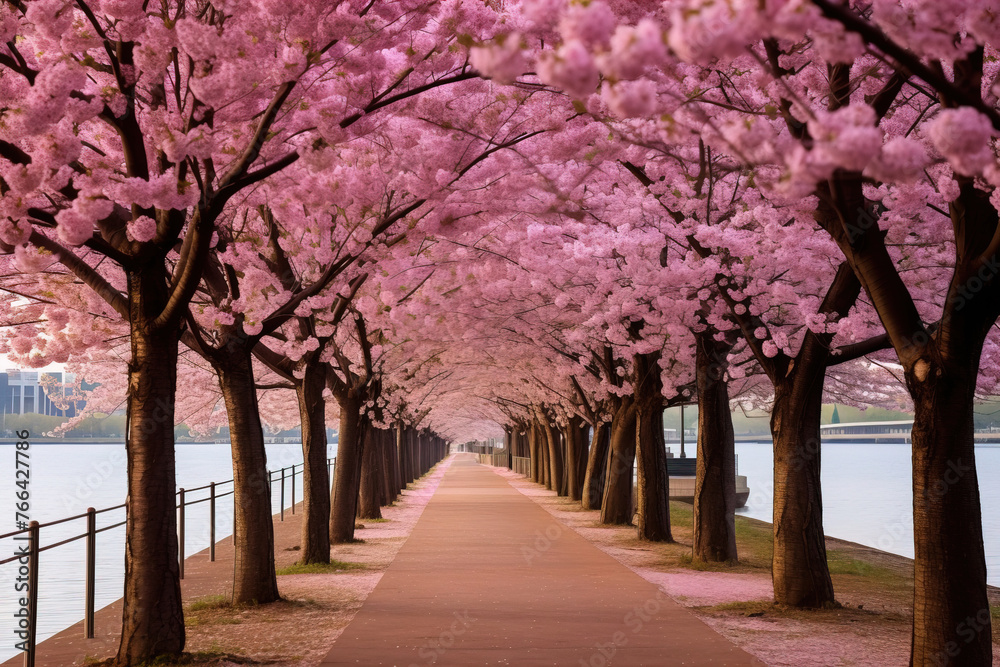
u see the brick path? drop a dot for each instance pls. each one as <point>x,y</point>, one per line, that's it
<point>490,578</point>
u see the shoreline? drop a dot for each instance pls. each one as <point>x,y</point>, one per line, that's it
<point>901,564</point>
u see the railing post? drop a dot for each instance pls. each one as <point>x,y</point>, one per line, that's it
<point>293,487</point>
<point>282,494</point>
<point>88,595</point>
<point>211,522</point>
<point>180,532</point>
<point>29,654</point>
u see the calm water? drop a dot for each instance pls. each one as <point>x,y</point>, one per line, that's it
<point>867,496</point>
<point>65,481</point>
<point>866,493</point>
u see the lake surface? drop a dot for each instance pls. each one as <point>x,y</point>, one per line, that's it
<point>866,494</point>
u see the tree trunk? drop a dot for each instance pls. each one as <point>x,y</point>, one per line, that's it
<point>397,469</point>
<point>715,485</point>
<point>951,623</point>
<point>347,475</point>
<point>545,457</point>
<point>574,447</point>
<point>616,506</point>
<point>370,491</point>
<point>508,446</point>
<point>152,615</point>
<point>562,446</point>
<point>799,569</point>
<point>556,470</point>
<point>414,455</point>
<point>653,490</point>
<point>593,482</point>
<point>388,453</point>
<point>534,451</point>
<point>400,458</point>
<point>254,579</point>
<point>583,451</point>
<point>315,541</point>
<point>405,454</point>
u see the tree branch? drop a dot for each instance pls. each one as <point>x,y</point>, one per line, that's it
<point>84,272</point>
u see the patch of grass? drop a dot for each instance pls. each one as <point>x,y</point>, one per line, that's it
<point>195,620</point>
<point>681,515</point>
<point>211,602</point>
<point>305,603</point>
<point>841,563</point>
<point>754,542</point>
<point>689,561</point>
<point>321,568</point>
<point>377,520</point>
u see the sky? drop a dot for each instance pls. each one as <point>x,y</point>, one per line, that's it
<point>5,364</point>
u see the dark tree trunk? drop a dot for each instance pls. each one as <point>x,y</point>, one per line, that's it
<point>315,546</point>
<point>370,494</point>
<point>583,443</point>
<point>254,579</point>
<point>555,463</point>
<point>593,481</point>
<point>616,506</point>
<point>534,451</point>
<point>424,444</point>
<point>406,455</point>
<point>414,472</point>
<point>574,452</point>
<point>508,445</point>
<point>388,453</point>
<point>653,485</point>
<point>545,456</point>
<point>347,475</point>
<point>152,615</point>
<point>715,485</point>
<point>952,620</point>
<point>400,453</point>
<point>799,569</point>
<point>563,445</point>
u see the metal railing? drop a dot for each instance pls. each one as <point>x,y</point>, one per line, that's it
<point>496,459</point>
<point>28,557</point>
<point>522,465</point>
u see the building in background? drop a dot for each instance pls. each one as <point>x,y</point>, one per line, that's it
<point>22,392</point>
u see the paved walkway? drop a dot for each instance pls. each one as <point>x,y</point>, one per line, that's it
<point>488,577</point>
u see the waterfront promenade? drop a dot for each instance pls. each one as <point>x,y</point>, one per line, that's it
<point>488,577</point>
